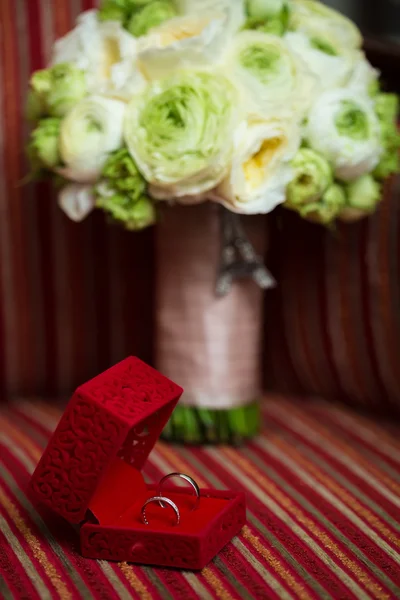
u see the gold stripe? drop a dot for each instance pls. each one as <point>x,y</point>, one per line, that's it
<point>24,559</point>
<point>308,480</point>
<point>312,427</point>
<point>274,562</point>
<point>338,490</point>
<point>276,495</point>
<point>35,546</point>
<point>20,438</point>
<point>215,582</point>
<point>110,575</point>
<point>267,576</point>
<point>134,581</point>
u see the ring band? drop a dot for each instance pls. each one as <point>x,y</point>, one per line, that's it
<point>160,500</point>
<point>186,478</point>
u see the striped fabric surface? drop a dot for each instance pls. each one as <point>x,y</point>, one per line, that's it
<point>333,322</point>
<point>323,495</point>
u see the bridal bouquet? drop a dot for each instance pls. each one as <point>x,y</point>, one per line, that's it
<point>244,104</point>
<point>247,104</point>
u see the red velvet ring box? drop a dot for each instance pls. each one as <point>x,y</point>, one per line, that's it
<point>90,473</point>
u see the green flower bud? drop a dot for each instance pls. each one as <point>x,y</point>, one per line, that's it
<point>121,192</point>
<point>122,208</point>
<point>151,15</point>
<point>35,107</point>
<point>43,147</point>
<point>121,174</point>
<point>390,161</point>
<point>387,108</point>
<point>142,215</point>
<point>363,195</point>
<point>56,90</point>
<point>328,207</point>
<point>312,177</point>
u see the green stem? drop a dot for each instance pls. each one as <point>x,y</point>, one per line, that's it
<point>191,425</point>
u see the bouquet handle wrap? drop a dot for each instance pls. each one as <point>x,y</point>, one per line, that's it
<point>211,345</point>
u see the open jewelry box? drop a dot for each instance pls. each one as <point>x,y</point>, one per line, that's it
<point>90,473</point>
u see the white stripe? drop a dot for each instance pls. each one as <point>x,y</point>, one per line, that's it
<point>25,561</point>
<point>368,435</point>
<point>312,435</point>
<point>166,467</point>
<point>292,524</point>
<point>334,500</point>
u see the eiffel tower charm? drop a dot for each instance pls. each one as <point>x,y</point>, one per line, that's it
<point>238,257</point>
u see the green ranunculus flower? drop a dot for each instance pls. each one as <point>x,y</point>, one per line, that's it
<point>363,195</point>
<point>43,148</point>
<point>56,90</point>
<point>312,177</point>
<point>179,131</point>
<point>328,207</point>
<point>134,214</point>
<point>151,15</point>
<point>121,174</point>
<point>387,108</point>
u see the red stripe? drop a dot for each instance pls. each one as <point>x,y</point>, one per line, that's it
<point>349,531</point>
<point>341,468</point>
<point>293,544</point>
<point>101,300</point>
<point>13,572</point>
<point>13,174</point>
<point>42,198</point>
<point>67,538</point>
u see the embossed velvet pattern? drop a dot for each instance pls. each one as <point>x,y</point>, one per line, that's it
<point>91,470</point>
<point>123,411</point>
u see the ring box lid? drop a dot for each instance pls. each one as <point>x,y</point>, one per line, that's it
<point>110,426</point>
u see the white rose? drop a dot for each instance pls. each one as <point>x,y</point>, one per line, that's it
<point>106,52</point>
<point>342,126</point>
<point>88,134</point>
<point>330,65</point>
<point>272,79</point>
<point>260,170</point>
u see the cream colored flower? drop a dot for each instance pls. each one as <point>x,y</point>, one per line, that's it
<point>105,52</point>
<point>260,170</point>
<point>183,42</point>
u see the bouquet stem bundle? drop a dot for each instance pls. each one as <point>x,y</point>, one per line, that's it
<point>211,345</point>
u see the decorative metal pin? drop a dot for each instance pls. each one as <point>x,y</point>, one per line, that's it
<point>239,259</point>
